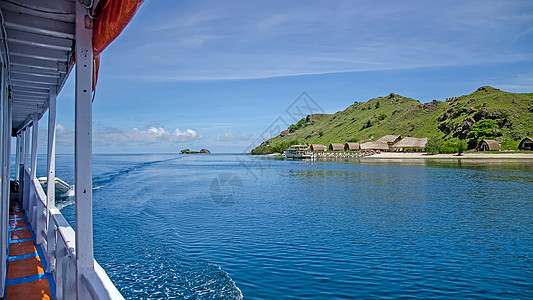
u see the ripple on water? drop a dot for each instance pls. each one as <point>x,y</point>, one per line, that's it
<point>315,231</point>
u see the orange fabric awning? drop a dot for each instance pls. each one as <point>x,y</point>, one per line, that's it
<point>112,16</point>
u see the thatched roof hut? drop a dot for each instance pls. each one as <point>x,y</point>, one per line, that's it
<point>411,143</point>
<point>390,139</point>
<point>488,145</point>
<point>374,146</point>
<point>526,144</point>
<point>317,147</point>
<point>351,146</point>
<point>336,147</point>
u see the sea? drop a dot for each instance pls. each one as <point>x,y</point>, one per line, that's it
<point>225,226</point>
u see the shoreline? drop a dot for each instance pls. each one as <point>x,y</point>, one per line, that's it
<point>424,155</point>
<point>476,155</point>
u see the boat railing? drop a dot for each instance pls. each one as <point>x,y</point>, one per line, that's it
<point>58,243</point>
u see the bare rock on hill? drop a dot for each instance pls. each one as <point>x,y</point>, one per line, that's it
<point>431,106</point>
<point>464,128</point>
<point>313,117</point>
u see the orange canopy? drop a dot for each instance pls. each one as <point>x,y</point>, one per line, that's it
<point>112,16</point>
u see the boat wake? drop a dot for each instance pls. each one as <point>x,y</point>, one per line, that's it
<point>208,281</point>
<point>62,202</point>
<point>158,266</point>
<point>107,179</point>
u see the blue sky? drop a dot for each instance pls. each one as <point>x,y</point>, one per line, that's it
<point>216,74</point>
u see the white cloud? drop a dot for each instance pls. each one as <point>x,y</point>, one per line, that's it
<point>64,136</point>
<point>185,136</point>
<point>232,136</point>
<point>111,135</point>
<point>522,83</point>
<point>150,135</point>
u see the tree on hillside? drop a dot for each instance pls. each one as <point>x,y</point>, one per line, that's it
<point>293,128</point>
<point>484,129</point>
<point>433,146</point>
<point>461,147</point>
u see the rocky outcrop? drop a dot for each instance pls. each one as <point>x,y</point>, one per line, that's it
<point>431,106</point>
<point>313,117</point>
<point>462,130</point>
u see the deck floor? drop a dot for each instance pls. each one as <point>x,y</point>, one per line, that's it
<point>26,266</point>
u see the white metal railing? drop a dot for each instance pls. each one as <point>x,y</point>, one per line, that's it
<point>58,244</point>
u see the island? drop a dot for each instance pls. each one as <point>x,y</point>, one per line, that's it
<point>188,151</point>
<point>486,120</point>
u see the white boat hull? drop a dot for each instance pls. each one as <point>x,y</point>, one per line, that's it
<point>62,188</point>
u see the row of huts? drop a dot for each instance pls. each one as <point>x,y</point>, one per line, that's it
<point>493,145</point>
<point>397,143</point>
<point>386,143</point>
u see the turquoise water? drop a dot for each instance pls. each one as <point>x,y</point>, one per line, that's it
<point>228,226</point>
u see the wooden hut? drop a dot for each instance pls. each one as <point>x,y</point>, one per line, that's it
<point>390,140</point>
<point>417,144</point>
<point>317,147</point>
<point>374,146</point>
<point>488,145</point>
<point>336,147</point>
<point>526,144</point>
<point>352,146</point>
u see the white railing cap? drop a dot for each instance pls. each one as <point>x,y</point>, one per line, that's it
<point>100,286</point>
<point>65,231</point>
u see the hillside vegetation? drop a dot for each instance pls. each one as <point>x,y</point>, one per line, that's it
<point>510,115</point>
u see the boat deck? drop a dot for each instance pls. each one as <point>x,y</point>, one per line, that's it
<point>26,267</point>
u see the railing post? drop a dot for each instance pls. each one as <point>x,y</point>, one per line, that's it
<point>50,187</point>
<point>6,151</point>
<point>17,158</point>
<point>39,218</point>
<point>20,167</point>
<point>26,163</point>
<point>34,140</point>
<point>83,150</point>
<point>27,147</point>
<point>21,151</point>
<point>60,253</point>
<point>4,203</point>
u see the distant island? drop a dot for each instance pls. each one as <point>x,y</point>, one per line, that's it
<point>188,151</point>
<point>448,126</point>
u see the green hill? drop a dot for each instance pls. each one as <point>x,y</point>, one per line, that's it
<point>447,122</point>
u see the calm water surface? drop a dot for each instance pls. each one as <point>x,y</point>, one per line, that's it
<point>364,228</point>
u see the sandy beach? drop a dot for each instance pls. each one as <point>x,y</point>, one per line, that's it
<point>482,155</point>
